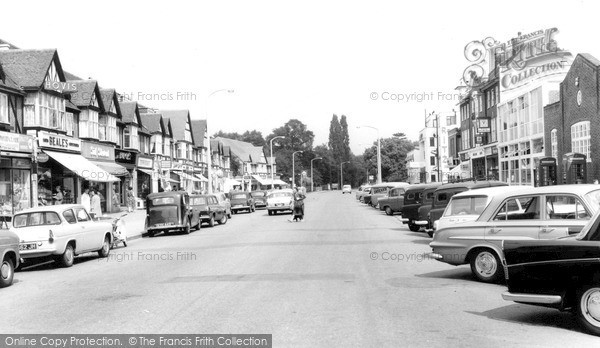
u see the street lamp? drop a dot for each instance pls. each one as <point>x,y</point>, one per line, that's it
<point>272,168</point>
<point>294,168</point>
<point>378,153</point>
<point>312,182</point>
<point>209,159</point>
<point>342,174</point>
<point>437,141</point>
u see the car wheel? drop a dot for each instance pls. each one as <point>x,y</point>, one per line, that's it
<point>234,211</point>
<point>68,257</point>
<point>105,250</point>
<point>223,220</point>
<point>486,266</point>
<point>413,227</point>
<point>588,308</point>
<point>252,209</point>
<point>270,212</point>
<point>389,211</point>
<point>211,222</point>
<point>229,215</point>
<point>7,273</point>
<point>150,234</point>
<point>187,229</point>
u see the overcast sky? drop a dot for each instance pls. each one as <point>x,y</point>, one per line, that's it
<point>306,60</point>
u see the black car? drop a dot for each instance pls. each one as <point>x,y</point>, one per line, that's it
<point>169,211</point>
<point>562,273</point>
<point>260,198</point>
<point>241,200</point>
<point>208,209</point>
<point>413,199</point>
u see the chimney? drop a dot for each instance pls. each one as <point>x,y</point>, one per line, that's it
<point>4,47</point>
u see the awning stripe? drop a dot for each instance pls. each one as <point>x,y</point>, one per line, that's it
<point>82,167</point>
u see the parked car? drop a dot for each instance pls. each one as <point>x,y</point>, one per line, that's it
<point>62,232</point>
<point>241,200</point>
<point>9,253</point>
<point>510,214</point>
<point>260,198</point>
<point>361,191</point>
<point>170,211</point>
<point>425,208</point>
<point>224,201</point>
<point>280,201</point>
<point>442,195</point>
<point>413,199</point>
<point>393,201</point>
<point>346,189</point>
<point>209,210</point>
<point>560,273</point>
<point>380,190</point>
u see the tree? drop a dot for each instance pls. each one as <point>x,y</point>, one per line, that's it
<point>254,137</point>
<point>345,138</point>
<point>297,137</point>
<point>336,139</point>
<point>393,157</point>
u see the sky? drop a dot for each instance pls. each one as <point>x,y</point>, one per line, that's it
<point>383,64</point>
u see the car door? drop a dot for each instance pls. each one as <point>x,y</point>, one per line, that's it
<point>517,218</point>
<point>216,207</point>
<point>564,214</point>
<point>89,231</point>
<point>195,205</point>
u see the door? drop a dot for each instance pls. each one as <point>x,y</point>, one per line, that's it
<point>216,207</point>
<point>518,218</point>
<point>88,235</point>
<point>564,214</point>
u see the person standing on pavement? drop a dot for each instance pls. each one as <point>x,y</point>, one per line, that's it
<point>130,200</point>
<point>86,200</point>
<point>96,208</point>
<point>58,196</point>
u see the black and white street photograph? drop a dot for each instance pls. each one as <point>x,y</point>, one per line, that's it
<point>299,174</point>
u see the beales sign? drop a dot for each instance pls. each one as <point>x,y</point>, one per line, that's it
<point>61,142</point>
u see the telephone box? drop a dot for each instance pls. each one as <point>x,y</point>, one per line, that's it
<point>575,168</point>
<point>546,172</point>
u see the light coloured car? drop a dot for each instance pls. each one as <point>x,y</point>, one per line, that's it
<point>62,232</point>
<point>531,213</point>
<point>363,190</point>
<point>9,254</point>
<point>346,189</point>
<point>280,200</point>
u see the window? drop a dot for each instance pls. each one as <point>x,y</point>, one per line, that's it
<point>580,138</point>
<point>521,208</point>
<point>432,141</point>
<point>432,160</point>
<point>466,206</point>
<point>35,219</point>
<point>70,216</point>
<point>565,207</point>
<point>130,137</point>
<point>89,124</point>
<point>50,111</point>
<point>4,108</point>
<point>554,142</point>
<point>82,215</point>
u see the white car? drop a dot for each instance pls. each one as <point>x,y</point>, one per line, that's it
<point>62,232</point>
<point>346,189</point>
<point>280,200</point>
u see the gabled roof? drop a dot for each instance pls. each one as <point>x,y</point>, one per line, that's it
<point>11,46</point>
<point>167,127</point>
<point>198,132</point>
<point>178,119</point>
<point>7,83</point>
<point>28,68</point>
<point>130,113</point>
<point>593,60</point>
<point>246,152</point>
<point>109,98</point>
<point>85,90</point>
<point>216,146</point>
<point>153,122</point>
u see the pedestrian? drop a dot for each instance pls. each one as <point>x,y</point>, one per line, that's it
<point>130,199</point>
<point>298,213</point>
<point>86,200</point>
<point>58,196</point>
<point>96,208</point>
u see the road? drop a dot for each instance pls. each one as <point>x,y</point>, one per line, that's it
<point>325,282</point>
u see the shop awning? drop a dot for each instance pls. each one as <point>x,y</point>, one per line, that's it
<point>145,171</point>
<point>201,177</point>
<point>268,181</point>
<point>113,168</point>
<point>82,167</point>
<point>187,176</point>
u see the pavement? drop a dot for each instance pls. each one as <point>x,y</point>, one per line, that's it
<point>348,276</point>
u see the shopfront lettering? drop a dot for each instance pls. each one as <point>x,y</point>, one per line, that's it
<point>60,86</point>
<point>60,142</point>
<point>509,80</point>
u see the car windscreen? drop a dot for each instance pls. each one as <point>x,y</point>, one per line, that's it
<point>594,199</point>
<point>257,194</point>
<point>36,219</point>
<point>239,196</point>
<point>280,195</point>
<point>468,205</point>
<point>197,200</point>
<point>163,201</point>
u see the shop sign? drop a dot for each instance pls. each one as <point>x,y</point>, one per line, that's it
<point>97,151</point>
<point>60,142</point>
<point>42,157</point>
<point>59,86</point>
<point>165,164</point>
<point>144,162</point>
<point>16,142</point>
<point>483,125</point>
<point>123,156</point>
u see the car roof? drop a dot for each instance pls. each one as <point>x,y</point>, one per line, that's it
<point>494,191</point>
<point>471,185</point>
<point>415,187</point>
<point>54,208</point>
<point>166,194</point>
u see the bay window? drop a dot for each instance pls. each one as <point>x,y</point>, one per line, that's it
<point>44,110</point>
<point>89,124</point>
<point>130,137</point>
<point>4,108</point>
<point>156,146</point>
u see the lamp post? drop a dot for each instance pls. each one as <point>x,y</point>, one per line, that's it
<point>378,152</point>
<point>342,174</point>
<point>272,168</point>
<point>312,182</point>
<point>209,158</point>
<point>437,151</point>
<point>294,168</point>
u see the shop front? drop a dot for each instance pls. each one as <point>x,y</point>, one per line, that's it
<point>16,177</point>
<point>104,157</point>
<point>145,175</point>
<point>127,159</point>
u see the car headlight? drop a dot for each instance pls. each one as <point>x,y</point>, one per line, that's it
<point>435,224</point>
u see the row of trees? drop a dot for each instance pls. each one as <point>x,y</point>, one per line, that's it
<point>297,137</point>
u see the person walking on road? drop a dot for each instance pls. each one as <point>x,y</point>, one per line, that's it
<point>298,214</point>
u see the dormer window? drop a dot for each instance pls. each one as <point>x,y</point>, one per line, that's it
<point>4,108</point>
<point>94,101</point>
